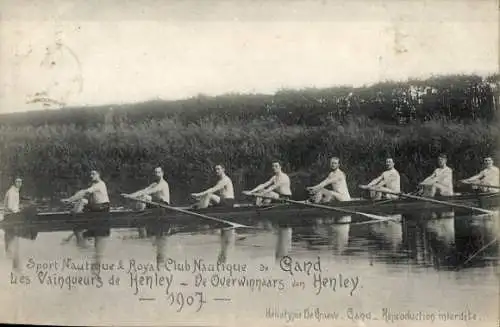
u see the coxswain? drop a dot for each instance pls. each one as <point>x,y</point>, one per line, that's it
<point>388,181</point>
<point>278,186</point>
<point>337,180</point>
<point>221,194</point>
<point>158,191</point>
<point>441,180</point>
<point>98,196</point>
<point>11,200</point>
<point>489,176</point>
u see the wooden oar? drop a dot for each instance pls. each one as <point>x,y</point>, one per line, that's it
<point>422,198</point>
<point>481,185</point>
<point>321,206</point>
<point>187,212</point>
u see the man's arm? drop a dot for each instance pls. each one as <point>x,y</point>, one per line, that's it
<point>148,190</point>
<point>474,178</point>
<point>81,194</point>
<point>328,180</point>
<point>377,180</point>
<point>276,184</point>
<point>429,180</point>
<point>219,186</point>
<point>263,185</point>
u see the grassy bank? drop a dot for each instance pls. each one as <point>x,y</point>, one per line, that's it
<point>56,159</point>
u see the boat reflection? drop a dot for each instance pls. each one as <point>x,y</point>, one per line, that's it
<point>441,227</point>
<point>227,243</point>
<point>443,240</point>
<point>283,242</point>
<point>331,232</point>
<point>446,240</point>
<point>335,232</point>
<point>389,234</point>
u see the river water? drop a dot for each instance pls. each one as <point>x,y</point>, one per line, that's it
<point>417,270</point>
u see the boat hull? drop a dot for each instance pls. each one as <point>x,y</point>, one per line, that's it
<point>282,214</point>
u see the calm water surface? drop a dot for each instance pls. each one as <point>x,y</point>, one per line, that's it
<point>417,266</point>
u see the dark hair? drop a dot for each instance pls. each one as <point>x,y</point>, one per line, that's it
<point>443,156</point>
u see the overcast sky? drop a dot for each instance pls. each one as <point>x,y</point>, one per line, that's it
<point>91,53</point>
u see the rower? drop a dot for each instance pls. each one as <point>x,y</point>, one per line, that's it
<point>441,180</point>
<point>98,202</point>
<point>489,176</point>
<point>276,187</point>
<point>158,191</point>
<point>337,180</point>
<point>221,193</point>
<point>98,195</point>
<point>388,181</point>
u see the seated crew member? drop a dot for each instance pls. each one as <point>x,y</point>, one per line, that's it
<point>11,200</point>
<point>337,180</point>
<point>441,180</point>
<point>98,202</point>
<point>221,193</point>
<point>276,187</point>
<point>158,191</point>
<point>98,196</point>
<point>389,181</point>
<point>489,176</point>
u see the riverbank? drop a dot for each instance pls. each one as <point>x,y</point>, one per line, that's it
<point>55,160</point>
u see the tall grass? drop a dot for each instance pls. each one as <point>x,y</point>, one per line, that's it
<point>56,159</point>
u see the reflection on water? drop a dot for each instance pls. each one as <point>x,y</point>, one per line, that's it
<point>424,254</point>
<point>442,240</point>
<point>284,242</point>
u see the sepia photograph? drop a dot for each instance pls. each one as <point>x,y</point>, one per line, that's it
<point>249,163</point>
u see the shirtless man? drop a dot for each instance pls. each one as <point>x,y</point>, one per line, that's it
<point>221,193</point>
<point>276,187</point>
<point>337,180</point>
<point>389,181</point>
<point>441,180</point>
<point>98,202</point>
<point>97,193</point>
<point>158,191</point>
<point>489,176</point>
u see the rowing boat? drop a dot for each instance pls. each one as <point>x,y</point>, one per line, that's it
<point>242,213</point>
